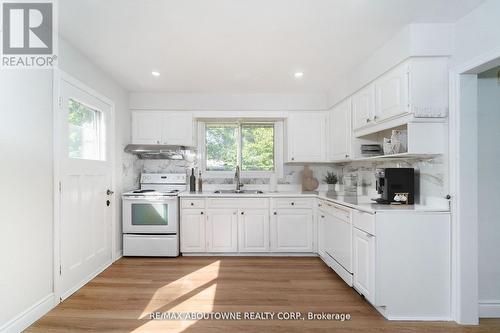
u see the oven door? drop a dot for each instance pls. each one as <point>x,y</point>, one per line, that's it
<point>150,215</point>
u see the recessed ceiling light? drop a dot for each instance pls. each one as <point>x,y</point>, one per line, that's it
<point>298,74</point>
<point>155,73</point>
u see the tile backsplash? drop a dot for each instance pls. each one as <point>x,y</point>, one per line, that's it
<point>355,176</point>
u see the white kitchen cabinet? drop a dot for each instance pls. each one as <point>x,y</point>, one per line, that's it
<point>162,127</point>
<point>147,127</point>
<point>177,129</point>
<point>392,93</point>
<point>222,230</point>
<point>363,107</point>
<point>340,132</point>
<point>364,264</point>
<point>253,230</point>
<point>192,230</point>
<point>292,230</point>
<point>306,137</point>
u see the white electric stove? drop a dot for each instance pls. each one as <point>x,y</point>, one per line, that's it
<point>151,216</point>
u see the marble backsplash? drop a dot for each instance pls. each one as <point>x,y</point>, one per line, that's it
<point>359,177</point>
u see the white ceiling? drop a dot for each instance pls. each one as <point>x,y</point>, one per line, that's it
<point>239,46</point>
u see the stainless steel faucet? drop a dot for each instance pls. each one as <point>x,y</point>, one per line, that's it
<point>237,178</point>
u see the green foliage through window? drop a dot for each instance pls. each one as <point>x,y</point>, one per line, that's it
<point>83,131</point>
<point>249,145</point>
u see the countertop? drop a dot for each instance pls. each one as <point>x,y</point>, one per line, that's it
<point>353,201</point>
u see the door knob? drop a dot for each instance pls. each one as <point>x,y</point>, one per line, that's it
<point>109,192</point>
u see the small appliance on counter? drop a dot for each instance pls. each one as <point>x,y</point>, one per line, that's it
<point>151,216</point>
<point>395,186</point>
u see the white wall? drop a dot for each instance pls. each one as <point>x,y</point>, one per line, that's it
<point>26,178</point>
<point>75,64</point>
<point>228,102</point>
<point>488,185</point>
<point>476,33</point>
<point>26,190</point>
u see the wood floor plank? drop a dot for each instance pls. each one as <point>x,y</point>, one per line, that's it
<point>121,298</point>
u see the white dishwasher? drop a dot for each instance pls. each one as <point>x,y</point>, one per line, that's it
<point>337,238</point>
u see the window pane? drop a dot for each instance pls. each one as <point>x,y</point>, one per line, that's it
<point>83,131</point>
<point>221,147</point>
<point>257,147</point>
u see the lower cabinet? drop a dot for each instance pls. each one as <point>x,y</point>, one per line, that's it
<point>193,230</point>
<point>292,230</point>
<point>253,230</point>
<point>364,264</point>
<point>222,230</point>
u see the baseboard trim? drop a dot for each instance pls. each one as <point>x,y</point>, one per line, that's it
<point>250,254</point>
<point>489,308</point>
<point>29,316</point>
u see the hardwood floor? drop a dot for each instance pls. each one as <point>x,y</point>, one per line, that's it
<point>121,298</point>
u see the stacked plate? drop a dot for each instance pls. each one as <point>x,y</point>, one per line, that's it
<point>371,150</point>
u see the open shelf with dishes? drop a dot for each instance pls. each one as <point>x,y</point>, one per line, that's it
<point>410,140</point>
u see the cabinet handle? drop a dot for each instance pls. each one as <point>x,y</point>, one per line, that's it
<point>292,158</point>
<point>242,213</point>
<point>275,213</point>
<point>202,213</point>
<point>192,203</point>
<point>375,117</point>
<point>346,155</point>
<point>367,120</point>
<point>322,216</point>
<point>158,141</point>
<point>293,203</point>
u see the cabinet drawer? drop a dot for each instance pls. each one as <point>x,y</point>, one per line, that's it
<point>293,203</point>
<point>364,221</point>
<point>193,203</point>
<point>338,211</point>
<point>237,203</point>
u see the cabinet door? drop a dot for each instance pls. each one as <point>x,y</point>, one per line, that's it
<point>291,231</point>
<point>363,107</point>
<point>306,137</point>
<point>392,93</point>
<point>253,230</point>
<point>222,232</point>
<point>146,127</point>
<point>340,132</point>
<point>364,264</point>
<point>192,230</point>
<point>177,129</point>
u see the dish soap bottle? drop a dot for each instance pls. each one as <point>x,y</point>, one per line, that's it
<point>200,182</point>
<point>192,182</point>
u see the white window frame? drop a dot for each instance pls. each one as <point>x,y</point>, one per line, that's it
<point>278,149</point>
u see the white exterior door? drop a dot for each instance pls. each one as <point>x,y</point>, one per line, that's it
<point>147,127</point>
<point>306,135</point>
<point>340,131</point>
<point>291,231</point>
<point>84,140</point>
<point>222,230</point>
<point>253,230</point>
<point>193,231</point>
<point>364,264</point>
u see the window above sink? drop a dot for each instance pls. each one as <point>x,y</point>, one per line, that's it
<point>255,146</point>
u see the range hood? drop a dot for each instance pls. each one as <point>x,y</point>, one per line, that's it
<point>157,152</point>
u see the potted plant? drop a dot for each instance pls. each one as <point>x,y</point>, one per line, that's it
<point>331,179</point>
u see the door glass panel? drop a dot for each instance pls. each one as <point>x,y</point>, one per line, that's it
<point>84,132</point>
<point>149,214</point>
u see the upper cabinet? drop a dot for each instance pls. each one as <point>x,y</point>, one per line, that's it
<point>339,143</point>
<point>146,127</point>
<point>392,93</point>
<point>363,107</point>
<point>306,137</point>
<point>159,127</point>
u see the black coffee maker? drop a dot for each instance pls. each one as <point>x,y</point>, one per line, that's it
<point>395,186</point>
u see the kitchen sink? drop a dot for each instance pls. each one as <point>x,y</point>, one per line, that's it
<point>238,192</point>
